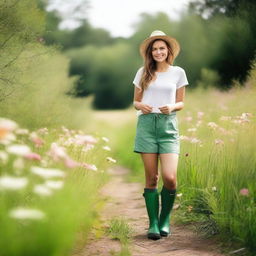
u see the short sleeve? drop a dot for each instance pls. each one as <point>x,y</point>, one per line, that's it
<point>182,79</point>
<point>137,77</point>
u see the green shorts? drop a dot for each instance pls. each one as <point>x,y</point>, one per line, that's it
<point>157,133</point>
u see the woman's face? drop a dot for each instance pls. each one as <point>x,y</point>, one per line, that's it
<point>159,51</point>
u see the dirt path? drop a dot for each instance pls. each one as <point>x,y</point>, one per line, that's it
<point>126,200</point>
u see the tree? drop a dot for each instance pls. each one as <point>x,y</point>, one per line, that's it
<point>237,50</point>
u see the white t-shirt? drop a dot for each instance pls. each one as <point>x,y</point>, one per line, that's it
<point>162,91</point>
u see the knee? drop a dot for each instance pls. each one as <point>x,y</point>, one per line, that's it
<point>153,180</point>
<point>171,182</point>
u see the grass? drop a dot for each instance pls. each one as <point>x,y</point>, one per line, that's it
<point>120,229</point>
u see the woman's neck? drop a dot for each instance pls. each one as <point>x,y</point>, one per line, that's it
<point>162,67</point>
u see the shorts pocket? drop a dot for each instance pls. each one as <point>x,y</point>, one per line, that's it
<point>172,123</point>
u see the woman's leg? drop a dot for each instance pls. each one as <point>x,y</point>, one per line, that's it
<point>151,194</point>
<point>150,161</point>
<point>169,164</point>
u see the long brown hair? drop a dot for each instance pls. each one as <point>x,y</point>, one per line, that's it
<point>150,64</point>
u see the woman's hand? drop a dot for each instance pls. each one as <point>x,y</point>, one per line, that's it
<point>146,109</point>
<point>167,109</point>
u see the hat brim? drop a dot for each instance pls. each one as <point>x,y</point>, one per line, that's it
<point>172,41</point>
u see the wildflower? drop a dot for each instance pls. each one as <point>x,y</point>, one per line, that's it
<point>7,139</point>
<point>195,140</point>
<point>244,192</point>
<point>7,125</point>
<point>189,118</point>
<point>26,213</point>
<point>70,163</point>
<point>36,139</point>
<point>198,123</point>
<point>105,139</point>
<point>218,142</point>
<point>212,125</point>
<point>200,114</point>
<point>3,157</point>
<point>183,137</point>
<point>57,152</point>
<point>89,166</point>
<point>191,129</point>
<point>33,156</point>
<point>214,189</point>
<point>245,115</point>
<point>179,195</point>
<point>12,183</point>
<point>110,159</point>
<point>43,131</point>
<point>106,148</point>
<point>58,184</point>
<point>47,173</point>
<point>19,150</point>
<point>42,190</point>
<point>87,147</point>
<point>84,139</point>
<point>22,131</point>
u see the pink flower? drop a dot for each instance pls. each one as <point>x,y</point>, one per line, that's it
<point>57,152</point>
<point>219,142</point>
<point>89,166</point>
<point>195,140</point>
<point>244,192</point>
<point>188,118</point>
<point>200,114</point>
<point>36,140</point>
<point>33,156</point>
<point>70,163</point>
<point>84,139</point>
<point>183,137</point>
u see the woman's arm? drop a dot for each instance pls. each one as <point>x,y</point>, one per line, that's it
<point>179,103</point>
<point>137,102</point>
<point>137,98</point>
<point>180,96</point>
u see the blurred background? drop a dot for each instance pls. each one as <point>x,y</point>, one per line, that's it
<point>60,50</point>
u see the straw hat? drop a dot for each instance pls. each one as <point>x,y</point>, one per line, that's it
<point>157,34</point>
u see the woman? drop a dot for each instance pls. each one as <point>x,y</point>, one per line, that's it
<point>159,93</point>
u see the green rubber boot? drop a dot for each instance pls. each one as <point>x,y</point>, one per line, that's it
<point>167,201</point>
<point>152,203</point>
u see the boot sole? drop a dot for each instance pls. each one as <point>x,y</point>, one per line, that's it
<point>154,236</point>
<point>164,234</point>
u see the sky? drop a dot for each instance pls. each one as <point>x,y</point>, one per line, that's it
<point>116,16</point>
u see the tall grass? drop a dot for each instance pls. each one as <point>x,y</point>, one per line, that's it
<point>45,212</point>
